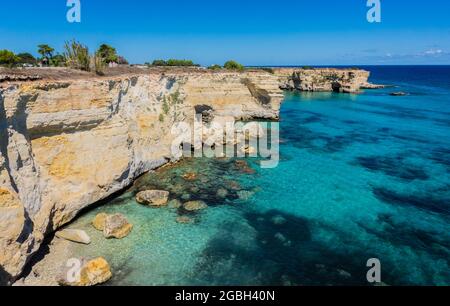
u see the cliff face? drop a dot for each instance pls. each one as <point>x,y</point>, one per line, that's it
<point>323,79</point>
<point>66,145</point>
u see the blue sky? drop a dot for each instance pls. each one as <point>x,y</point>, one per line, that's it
<point>282,32</point>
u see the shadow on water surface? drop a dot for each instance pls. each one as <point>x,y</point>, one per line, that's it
<point>393,166</point>
<point>428,203</point>
<point>284,254</point>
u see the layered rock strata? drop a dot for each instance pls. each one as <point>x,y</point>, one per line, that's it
<point>65,145</point>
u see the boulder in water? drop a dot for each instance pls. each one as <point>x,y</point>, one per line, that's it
<point>117,226</point>
<point>154,198</point>
<point>91,273</point>
<point>175,204</point>
<point>74,235</point>
<point>99,221</point>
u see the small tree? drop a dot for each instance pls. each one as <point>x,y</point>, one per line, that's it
<point>8,58</point>
<point>107,54</point>
<point>46,51</point>
<point>233,65</point>
<point>77,55</point>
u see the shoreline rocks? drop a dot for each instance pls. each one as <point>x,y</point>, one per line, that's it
<point>112,226</point>
<point>94,272</point>
<point>155,198</point>
<point>99,221</point>
<point>117,226</point>
<point>74,235</point>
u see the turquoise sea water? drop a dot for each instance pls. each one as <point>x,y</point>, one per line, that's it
<point>361,176</point>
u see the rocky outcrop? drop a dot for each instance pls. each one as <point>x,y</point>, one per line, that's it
<point>66,145</point>
<point>324,79</point>
<point>155,198</point>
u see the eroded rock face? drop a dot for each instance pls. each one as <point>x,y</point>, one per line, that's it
<point>323,79</point>
<point>66,145</point>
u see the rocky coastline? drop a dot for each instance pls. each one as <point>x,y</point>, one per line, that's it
<point>67,144</point>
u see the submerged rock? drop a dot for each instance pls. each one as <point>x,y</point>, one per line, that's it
<point>244,167</point>
<point>190,176</point>
<point>185,220</point>
<point>175,204</point>
<point>93,272</point>
<point>155,198</point>
<point>233,185</point>
<point>74,235</point>
<point>245,195</point>
<point>279,220</point>
<point>222,193</point>
<point>195,205</point>
<point>116,226</point>
<point>185,196</point>
<point>99,221</point>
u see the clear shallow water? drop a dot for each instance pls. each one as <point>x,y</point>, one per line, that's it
<point>361,176</point>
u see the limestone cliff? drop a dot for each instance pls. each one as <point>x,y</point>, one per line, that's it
<point>66,145</point>
<point>323,79</point>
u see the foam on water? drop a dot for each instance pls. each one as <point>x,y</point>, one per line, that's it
<point>361,176</point>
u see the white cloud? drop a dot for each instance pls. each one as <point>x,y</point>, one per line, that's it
<point>434,52</point>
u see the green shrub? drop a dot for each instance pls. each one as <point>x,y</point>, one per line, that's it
<point>215,67</point>
<point>58,61</point>
<point>107,54</point>
<point>8,58</point>
<point>77,55</point>
<point>233,65</point>
<point>173,63</point>
<point>159,63</point>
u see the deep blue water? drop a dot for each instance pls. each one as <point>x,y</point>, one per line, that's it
<point>361,176</point>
